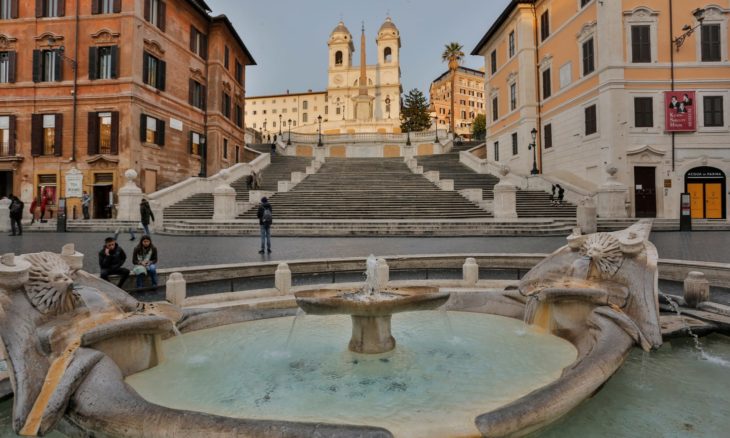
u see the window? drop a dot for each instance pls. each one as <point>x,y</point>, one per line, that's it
<point>643,112</point>
<point>239,116</point>
<point>154,12</point>
<point>338,58</point>
<point>640,44</point>
<point>546,84</point>
<point>305,119</point>
<point>226,105</point>
<point>46,134</point>
<point>199,44</point>
<point>152,130</point>
<point>590,120</point>
<point>544,25</point>
<point>103,62</point>
<point>106,6</point>
<point>195,143</point>
<point>512,44</point>
<point>49,8</point>
<point>8,9</point>
<point>153,71</point>
<point>47,66</point>
<point>225,148</point>
<point>714,116</point>
<point>103,133</point>
<point>239,72</point>
<point>387,55</point>
<point>7,67</point>
<point>514,144</point>
<point>547,135</point>
<point>305,104</point>
<point>513,97</point>
<point>496,151</point>
<point>196,94</point>
<point>7,136</point>
<point>226,57</point>
<point>238,153</point>
<point>711,43</point>
<point>493,58</point>
<point>589,63</point>
<point>495,108</point>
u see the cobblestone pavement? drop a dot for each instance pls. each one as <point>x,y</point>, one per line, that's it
<point>179,251</point>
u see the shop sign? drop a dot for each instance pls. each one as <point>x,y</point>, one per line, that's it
<point>74,183</point>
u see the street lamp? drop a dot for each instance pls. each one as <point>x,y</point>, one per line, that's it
<point>699,15</point>
<point>533,146</point>
<point>436,128</point>
<point>319,119</point>
<point>288,140</point>
<point>279,125</point>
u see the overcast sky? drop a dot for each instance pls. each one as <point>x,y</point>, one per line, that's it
<point>288,38</point>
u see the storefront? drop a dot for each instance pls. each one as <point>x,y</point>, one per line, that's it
<point>706,186</point>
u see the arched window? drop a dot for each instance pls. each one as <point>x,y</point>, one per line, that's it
<point>387,54</point>
<point>338,58</point>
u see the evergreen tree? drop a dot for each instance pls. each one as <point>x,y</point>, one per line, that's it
<point>479,127</point>
<point>414,114</point>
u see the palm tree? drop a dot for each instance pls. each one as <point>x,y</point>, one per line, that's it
<point>453,54</point>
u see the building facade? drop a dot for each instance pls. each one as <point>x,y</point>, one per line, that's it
<point>468,100</point>
<point>337,104</point>
<point>150,85</point>
<point>596,80</point>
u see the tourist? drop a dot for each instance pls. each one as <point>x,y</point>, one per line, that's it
<point>553,195</point>
<point>561,194</point>
<point>16,214</point>
<point>44,203</point>
<point>145,213</point>
<point>33,209</point>
<point>264,214</point>
<point>85,203</point>
<point>249,180</point>
<point>111,261</point>
<point>145,261</point>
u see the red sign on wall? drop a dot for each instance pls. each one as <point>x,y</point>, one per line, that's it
<point>680,111</point>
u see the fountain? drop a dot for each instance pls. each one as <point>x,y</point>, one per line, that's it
<point>371,308</point>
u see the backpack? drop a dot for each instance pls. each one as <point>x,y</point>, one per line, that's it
<point>266,217</point>
<point>15,208</point>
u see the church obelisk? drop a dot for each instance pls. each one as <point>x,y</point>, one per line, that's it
<point>363,101</point>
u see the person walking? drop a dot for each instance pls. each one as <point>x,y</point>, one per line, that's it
<point>145,213</point>
<point>265,215</point>
<point>85,203</point>
<point>553,195</point>
<point>249,180</point>
<point>561,194</point>
<point>44,203</point>
<point>111,261</point>
<point>33,207</point>
<point>145,262</point>
<point>16,214</point>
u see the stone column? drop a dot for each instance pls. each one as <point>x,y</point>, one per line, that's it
<point>282,278</point>
<point>470,271</point>
<point>224,203</point>
<point>586,216</point>
<point>505,197</point>
<point>5,215</point>
<point>696,289</point>
<point>129,198</point>
<point>612,196</point>
<point>176,289</point>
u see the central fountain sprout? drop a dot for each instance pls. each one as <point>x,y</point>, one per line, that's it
<point>371,308</point>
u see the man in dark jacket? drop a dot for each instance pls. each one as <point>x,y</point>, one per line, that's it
<point>111,261</point>
<point>16,214</point>
<point>145,212</point>
<point>264,214</point>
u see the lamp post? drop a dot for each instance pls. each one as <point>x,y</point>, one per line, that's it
<point>319,119</point>
<point>288,139</point>
<point>699,15</point>
<point>279,125</point>
<point>533,146</point>
<point>436,128</point>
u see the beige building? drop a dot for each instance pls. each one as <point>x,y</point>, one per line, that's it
<point>337,105</point>
<point>594,77</point>
<point>468,101</point>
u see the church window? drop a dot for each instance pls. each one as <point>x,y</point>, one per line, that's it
<point>305,119</point>
<point>338,58</point>
<point>387,54</point>
<point>305,104</point>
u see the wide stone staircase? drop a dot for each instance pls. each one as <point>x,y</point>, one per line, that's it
<point>530,203</point>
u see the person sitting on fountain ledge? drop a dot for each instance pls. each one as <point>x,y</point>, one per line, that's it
<point>111,261</point>
<point>144,260</point>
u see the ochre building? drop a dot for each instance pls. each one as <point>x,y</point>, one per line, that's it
<point>468,99</point>
<point>150,85</point>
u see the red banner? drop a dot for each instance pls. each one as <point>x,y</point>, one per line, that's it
<point>680,111</point>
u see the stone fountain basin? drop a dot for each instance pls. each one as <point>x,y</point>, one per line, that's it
<point>351,302</point>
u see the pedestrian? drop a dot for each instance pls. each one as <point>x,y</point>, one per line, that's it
<point>257,181</point>
<point>561,194</point>
<point>145,213</point>
<point>44,203</point>
<point>130,230</point>
<point>111,261</point>
<point>265,215</point>
<point>145,262</point>
<point>85,203</point>
<point>273,147</point>
<point>16,214</point>
<point>553,195</point>
<point>249,180</point>
<point>33,208</point>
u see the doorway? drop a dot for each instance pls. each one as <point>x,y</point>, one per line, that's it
<point>6,183</point>
<point>102,198</point>
<point>645,191</point>
<point>706,186</point>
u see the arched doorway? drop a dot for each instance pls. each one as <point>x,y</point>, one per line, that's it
<point>706,186</point>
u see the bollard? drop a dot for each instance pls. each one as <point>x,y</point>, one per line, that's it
<point>696,289</point>
<point>470,271</point>
<point>382,273</point>
<point>176,289</point>
<point>282,278</point>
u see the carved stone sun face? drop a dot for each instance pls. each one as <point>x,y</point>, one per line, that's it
<point>604,250</point>
<point>50,287</point>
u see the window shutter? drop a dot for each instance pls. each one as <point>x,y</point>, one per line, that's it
<point>147,10</point>
<point>12,58</point>
<point>38,8</point>
<point>161,68</point>
<point>37,65</point>
<point>160,133</point>
<point>117,6</point>
<point>58,70</point>
<point>93,63</point>
<point>204,46</point>
<point>93,140</point>
<point>36,135</point>
<point>191,91</point>
<point>58,141</point>
<point>192,38</point>
<point>143,128</point>
<point>61,8</point>
<point>95,6</point>
<point>145,68</point>
<point>115,62</point>
<point>161,15</point>
<point>11,139</point>
<point>14,9</point>
<point>115,133</point>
